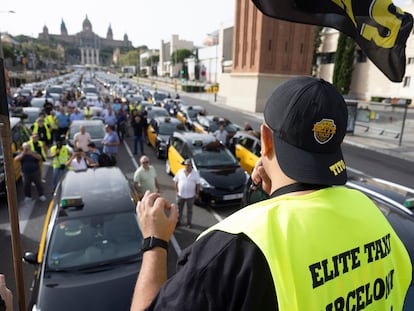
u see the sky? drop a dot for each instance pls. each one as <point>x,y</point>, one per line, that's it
<point>146,22</point>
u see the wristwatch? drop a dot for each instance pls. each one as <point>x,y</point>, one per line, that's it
<point>151,242</point>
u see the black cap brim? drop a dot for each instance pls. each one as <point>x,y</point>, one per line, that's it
<point>310,167</point>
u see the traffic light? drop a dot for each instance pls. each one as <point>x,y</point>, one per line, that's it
<point>182,72</point>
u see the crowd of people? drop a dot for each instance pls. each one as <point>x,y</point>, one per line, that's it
<point>49,131</point>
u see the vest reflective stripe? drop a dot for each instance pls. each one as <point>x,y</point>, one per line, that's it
<point>36,129</point>
<point>346,261</point>
<point>62,158</point>
<point>41,147</point>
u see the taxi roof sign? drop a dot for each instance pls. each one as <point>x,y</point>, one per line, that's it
<point>68,202</point>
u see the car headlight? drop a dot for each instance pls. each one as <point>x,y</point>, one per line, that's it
<point>204,184</point>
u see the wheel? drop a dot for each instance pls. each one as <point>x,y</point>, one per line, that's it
<point>167,167</point>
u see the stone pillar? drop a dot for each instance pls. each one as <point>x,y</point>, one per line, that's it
<point>88,58</point>
<point>92,56</point>
<point>97,57</point>
<point>82,56</point>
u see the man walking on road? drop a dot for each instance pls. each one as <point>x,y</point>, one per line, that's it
<point>313,245</point>
<point>187,188</point>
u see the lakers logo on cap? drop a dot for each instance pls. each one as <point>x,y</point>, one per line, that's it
<point>324,130</point>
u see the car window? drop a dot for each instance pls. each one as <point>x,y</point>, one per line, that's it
<point>214,158</point>
<point>257,150</point>
<point>177,144</point>
<point>168,128</point>
<point>185,152</point>
<point>247,143</point>
<point>96,131</point>
<point>97,239</point>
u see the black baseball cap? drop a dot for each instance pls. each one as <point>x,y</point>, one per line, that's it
<point>308,118</point>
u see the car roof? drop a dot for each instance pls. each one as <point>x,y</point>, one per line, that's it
<point>167,119</point>
<point>14,121</point>
<point>103,190</point>
<point>190,137</point>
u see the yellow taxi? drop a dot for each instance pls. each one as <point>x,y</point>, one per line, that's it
<point>188,114</point>
<point>222,179</point>
<point>160,130</point>
<point>246,147</point>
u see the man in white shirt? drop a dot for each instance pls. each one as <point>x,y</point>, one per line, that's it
<point>82,139</point>
<point>221,134</point>
<point>79,161</point>
<point>187,187</point>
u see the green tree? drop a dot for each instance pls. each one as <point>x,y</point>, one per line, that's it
<point>344,63</point>
<point>317,41</point>
<point>179,55</point>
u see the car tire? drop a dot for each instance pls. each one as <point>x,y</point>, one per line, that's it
<point>168,167</point>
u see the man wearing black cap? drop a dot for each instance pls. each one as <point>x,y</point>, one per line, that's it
<point>313,245</point>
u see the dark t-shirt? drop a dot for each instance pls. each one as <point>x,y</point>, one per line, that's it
<point>221,271</point>
<point>138,126</point>
<point>29,164</point>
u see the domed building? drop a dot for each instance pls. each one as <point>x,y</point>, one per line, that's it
<point>88,44</point>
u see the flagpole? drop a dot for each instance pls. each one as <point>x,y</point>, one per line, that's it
<point>10,181</point>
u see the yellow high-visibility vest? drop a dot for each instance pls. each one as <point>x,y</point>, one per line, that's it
<point>327,249</point>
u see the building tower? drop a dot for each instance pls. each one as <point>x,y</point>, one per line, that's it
<point>63,30</point>
<point>109,34</point>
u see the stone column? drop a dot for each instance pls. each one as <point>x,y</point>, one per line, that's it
<point>97,57</point>
<point>82,56</point>
<point>92,56</point>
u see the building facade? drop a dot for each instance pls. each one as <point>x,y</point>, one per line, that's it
<point>88,42</point>
<point>266,52</point>
<point>166,65</point>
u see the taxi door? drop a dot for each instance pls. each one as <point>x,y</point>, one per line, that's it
<point>175,157</point>
<point>152,133</point>
<point>248,151</point>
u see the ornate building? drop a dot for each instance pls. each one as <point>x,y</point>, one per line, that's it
<point>88,43</point>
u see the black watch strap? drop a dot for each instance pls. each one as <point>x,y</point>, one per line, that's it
<point>151,242</point>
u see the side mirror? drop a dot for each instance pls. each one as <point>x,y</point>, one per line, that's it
<point>30,257</point>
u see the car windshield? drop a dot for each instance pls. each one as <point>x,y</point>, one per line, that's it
<point>93,241</point>
<point>160,96</point>
<point>55,90</point>
<point>90,90</point>
<point>169,128</point>
<point>214,157</point>
<point>193,113</point>
<point>96,130</point>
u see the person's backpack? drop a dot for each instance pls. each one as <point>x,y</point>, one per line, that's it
<point>105,159</point>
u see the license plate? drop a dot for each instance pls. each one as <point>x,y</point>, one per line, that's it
<point>232,196</point>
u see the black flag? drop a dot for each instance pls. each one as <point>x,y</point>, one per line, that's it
<point>380,28</point>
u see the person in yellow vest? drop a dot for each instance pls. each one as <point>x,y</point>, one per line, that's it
<point>40,128</point>
<point>313,245</point>
<point>88,112</point>
<point>59,154</point>
<point>37,145</point>
<point>52,123</point>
